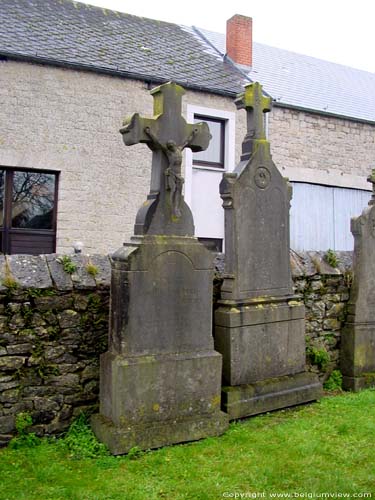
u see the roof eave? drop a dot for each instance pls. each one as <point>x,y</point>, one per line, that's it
<point>323,113</point>
<point>148,78</point>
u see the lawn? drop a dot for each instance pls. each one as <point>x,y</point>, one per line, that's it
<point>323,448</point>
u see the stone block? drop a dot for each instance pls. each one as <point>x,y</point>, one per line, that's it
<point>30,271</point>
<point>10,363</point>
<point>7,424</point>
<point>103,265</point>
<point>271,394</point>
<point>61,279</point>
<point>159,387</point>
<point>358,350</point>
<point>162,297</point>
<point>82,279</point>
<point>121,439</point>
<point>55,302</point>
<point>258,343</point>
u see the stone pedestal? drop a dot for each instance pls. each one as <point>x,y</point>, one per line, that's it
<point>259,326</point>
<point>263,347</point>
<point>357,356</point>
<point>358,337</point>
<point>262,341</point>
<point>161,378</point>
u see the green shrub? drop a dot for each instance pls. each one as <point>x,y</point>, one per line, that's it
<point>91,269</point>
<point>334,383</point>
<point>318,357</point>
<point>68,265</point>
<point>331,258</point>
<point>81,441</point>
<point>24,439</point>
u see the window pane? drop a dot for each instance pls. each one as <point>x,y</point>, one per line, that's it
<point>33,200</point>
<point>2,191</point>
<point>214,152</point>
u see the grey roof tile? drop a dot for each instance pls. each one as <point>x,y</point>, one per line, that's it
<point>66,32</point>
<point>80,35</point>
<point>306,82</point>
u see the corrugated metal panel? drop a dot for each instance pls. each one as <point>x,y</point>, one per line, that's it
<point>311,217</point>
<point>348,203</point>
<point>320,216</point>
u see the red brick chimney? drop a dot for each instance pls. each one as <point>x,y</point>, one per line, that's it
<point>240,39</point>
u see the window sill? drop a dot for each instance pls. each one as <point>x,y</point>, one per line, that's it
<point>214,169</point>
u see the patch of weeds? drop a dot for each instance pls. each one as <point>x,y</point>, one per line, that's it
<point>334,382</point>
<point>319,357</point>
<point>33,293</point>
<point>81,441</point>
<point>68,265</point>
<point>9,281</point>
<point>94,318</point>
<point>307,291</point>
<point>24,439</point>
<point>369,378</point>
<point>53,332</point>
<point>92,269</point>
<point>135,453</point>
<point>331,258</point>
<point>27,314</point>
<point>45,370</point>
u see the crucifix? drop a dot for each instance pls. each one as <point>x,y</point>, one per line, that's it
<point>256,104</point>
<point>167,134</point>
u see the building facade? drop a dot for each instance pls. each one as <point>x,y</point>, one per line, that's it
<point>66,176</point>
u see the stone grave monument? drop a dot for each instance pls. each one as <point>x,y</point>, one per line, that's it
<point>358,337</point>
<point>160,380</point>
<point>259,325</point>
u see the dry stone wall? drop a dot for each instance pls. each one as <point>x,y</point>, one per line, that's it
<point>53,328</point>
<point>54,323</point>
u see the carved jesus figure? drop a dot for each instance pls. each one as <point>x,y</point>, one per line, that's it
<point>174,179</point>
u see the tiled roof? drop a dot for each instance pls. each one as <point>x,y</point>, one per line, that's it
<point>306,82</point>
<point>76,34</point>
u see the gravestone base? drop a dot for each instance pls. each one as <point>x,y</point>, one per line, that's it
<point>271,394</point>
<point>356,384</point>
<point>358,356</point>
<point>120,439</point>
<point>262,341</point>
<point>158,400</point>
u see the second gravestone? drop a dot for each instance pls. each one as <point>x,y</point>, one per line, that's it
<point>160,381</point>
<point>358,337</point>
<point>259,326</point>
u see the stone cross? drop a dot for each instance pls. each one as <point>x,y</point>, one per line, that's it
<point>256,104</point>
<point>166,134</point>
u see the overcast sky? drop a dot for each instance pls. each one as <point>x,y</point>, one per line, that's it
<point>341,31</point>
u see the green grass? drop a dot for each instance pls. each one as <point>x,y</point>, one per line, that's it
<point>327,447</point>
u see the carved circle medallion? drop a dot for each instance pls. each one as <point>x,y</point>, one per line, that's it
<point>262,177</point>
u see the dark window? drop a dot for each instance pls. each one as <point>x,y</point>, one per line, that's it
<point>28,201</point>
<point>214,154</point>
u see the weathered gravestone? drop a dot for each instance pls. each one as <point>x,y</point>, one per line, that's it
<point>358,337</point>
<point>161,378</point>
<point>259,326</point>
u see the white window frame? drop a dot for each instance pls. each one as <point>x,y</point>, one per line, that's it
<point>229,143</point>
